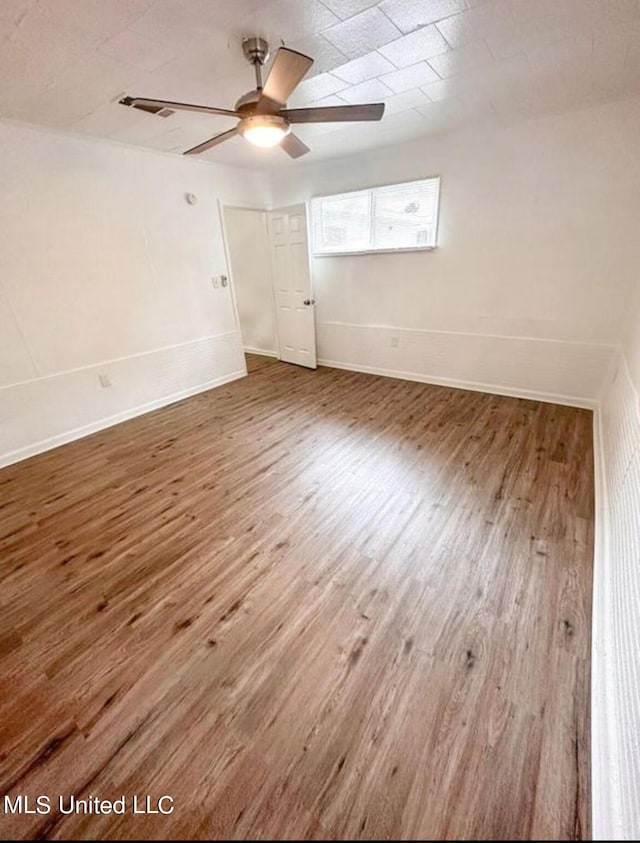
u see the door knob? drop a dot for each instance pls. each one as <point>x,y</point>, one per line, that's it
<point>309,301</point>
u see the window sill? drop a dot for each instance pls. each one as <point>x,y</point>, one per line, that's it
<point>374,252</point>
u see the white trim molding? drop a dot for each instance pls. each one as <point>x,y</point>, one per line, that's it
<point>605,808</point>
<point>263,352</point>
<point>615,662</point>
<point>80,432</point>
<point>556,371</point>
<point>49,411</point>
<point>472,386</point>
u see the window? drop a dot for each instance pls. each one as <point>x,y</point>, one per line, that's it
<point>380,219</point>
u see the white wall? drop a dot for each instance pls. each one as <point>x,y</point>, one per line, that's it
<point>250,258</point>
<point>105,269</point>
<point>616,618</point>
<point>538,243</point>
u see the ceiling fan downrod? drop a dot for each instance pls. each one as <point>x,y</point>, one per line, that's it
<point>256,51</point>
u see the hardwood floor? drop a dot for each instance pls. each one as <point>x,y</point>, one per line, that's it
<point>304,605</point>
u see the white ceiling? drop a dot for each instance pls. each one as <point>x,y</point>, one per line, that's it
<point>438,64</point>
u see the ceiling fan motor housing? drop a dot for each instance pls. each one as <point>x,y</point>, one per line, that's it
<point>247,103</point>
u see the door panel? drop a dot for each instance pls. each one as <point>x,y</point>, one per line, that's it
<point>292,286</point>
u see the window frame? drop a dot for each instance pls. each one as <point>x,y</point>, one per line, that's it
<point>373,187</point>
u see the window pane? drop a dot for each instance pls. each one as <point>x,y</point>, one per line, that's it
<point>405,215</point>
<point>342,223</point>
<point>400,216</point>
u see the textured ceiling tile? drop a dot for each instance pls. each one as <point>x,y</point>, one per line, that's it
<point>12,10</point>
<point>434,110</point>
<point>319,86</point>
<point>184,130</point>
<point>348,8</point>
<point>373,90</point>
<point>176,23</point>
<point>164,143</point>
<point>308,132</point>
<point>325,102</point>
<point>407,99</point>
<point>291,20</point>
<point>63,102</point>
<point>139,51</point>
<point>495,17</point>
<point>458,30</point>
<point>96,17</point>
<point>372,134</point>
<point>218,77</point>
<point>410,77</point>
<point>366,67</point>
<point>197,15</point>
<point>405,118</point>
<point>515,37</point>
<point>414,47</point>
<point>181,138</point>
<point>325,56</point>
<point>5,31</point>
<point>615,49</point>
<point>36,52</point>
<point>532,13</point>
<point>108,118</point>
<point>575,51</point>
<point>62,61</point>
<point>363,33</point>
<point>438,91</point>
<point>461,60</point>
<point>411,14</point>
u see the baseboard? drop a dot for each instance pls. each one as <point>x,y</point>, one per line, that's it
<point>86,430</point>
<point>603,739</point>
<point>494,389</point>
<point>262,351</point>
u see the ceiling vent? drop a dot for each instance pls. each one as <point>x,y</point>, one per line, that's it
<point>160,110</point>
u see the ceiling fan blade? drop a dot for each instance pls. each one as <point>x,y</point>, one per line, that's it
<point>202,147</point>
<point>293,146</point>
<point>154,106</point>
<point>335,113</point>
<point>286,73</point>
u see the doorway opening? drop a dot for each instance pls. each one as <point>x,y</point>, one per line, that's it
<point>270,269</point>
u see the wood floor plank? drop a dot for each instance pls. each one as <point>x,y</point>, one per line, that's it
<point>306,605</point>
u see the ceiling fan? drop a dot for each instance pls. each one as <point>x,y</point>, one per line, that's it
<point>264,118</point>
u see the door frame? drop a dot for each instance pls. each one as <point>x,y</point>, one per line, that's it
<point>246,206</point>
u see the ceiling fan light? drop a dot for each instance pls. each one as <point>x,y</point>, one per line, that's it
<point>264,130</point>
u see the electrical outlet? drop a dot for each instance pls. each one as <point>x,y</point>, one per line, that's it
<point>105,381</point>
<point>395,342</point>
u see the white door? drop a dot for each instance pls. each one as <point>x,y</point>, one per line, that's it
<point>292,286</point>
